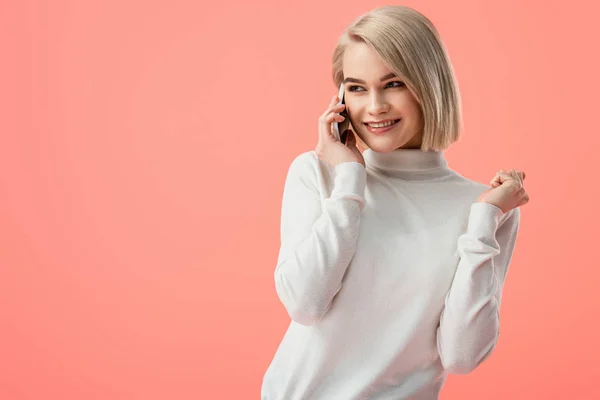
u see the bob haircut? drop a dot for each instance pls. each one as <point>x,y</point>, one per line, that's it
<point>410,46</point>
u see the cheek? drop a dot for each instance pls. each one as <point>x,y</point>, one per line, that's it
<point>353,109</point>
<point>351,105</point>
<point>408,105</point>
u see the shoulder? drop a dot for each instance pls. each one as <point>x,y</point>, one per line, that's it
<point>308,164</point>
<point>467,182</point>
<point>303,165</point>
<point>308,171</point>
<point>465,186</point>
<point>307,159</point>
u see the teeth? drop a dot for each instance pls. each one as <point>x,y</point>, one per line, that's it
<point>383,125</point>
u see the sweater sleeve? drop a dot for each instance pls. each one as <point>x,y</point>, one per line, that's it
<point>318,236</point>
<point>470,321</point>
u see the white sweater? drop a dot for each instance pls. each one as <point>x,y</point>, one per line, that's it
<point>392,275</point>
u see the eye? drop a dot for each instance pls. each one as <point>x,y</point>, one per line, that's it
<point>396,84</point>
<point>353,88</point>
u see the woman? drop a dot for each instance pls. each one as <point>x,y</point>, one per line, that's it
<point>391,264</point>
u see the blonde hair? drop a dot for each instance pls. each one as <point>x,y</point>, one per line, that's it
<point>410,46</point>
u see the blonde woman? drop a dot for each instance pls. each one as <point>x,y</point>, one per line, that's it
<point>391,264</point>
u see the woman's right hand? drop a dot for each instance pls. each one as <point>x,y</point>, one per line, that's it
<point>331,150</point>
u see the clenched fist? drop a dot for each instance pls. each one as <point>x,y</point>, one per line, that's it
<point>507,191</point>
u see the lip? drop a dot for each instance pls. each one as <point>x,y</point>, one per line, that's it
<point>382,121</point>
<point>379,131</point>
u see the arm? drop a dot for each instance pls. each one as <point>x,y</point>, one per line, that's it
<point>470,322</point>
<point>318,237</point>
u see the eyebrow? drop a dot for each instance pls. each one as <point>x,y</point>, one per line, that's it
<point>383,78</point>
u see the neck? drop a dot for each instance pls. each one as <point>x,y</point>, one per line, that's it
<point>408,161</point>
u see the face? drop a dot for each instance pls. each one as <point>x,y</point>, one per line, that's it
<point>375,98</point>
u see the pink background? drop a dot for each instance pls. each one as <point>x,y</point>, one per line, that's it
<point>144,147</point>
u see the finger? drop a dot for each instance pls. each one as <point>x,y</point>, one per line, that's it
<point>513,175</point>
<point>495,182</point>
<point>325,122</point>
<point>504,176</point>
<point>523,201</point>
<point>334,108</point>
<point>334,117</point>
<point>326,127</point>
<point>501,177</point>
<point>519,176</point>
<point>516,174</point>
<point>333,100</point>
<point>331,118</point>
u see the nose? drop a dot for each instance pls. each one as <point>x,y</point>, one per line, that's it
<point>378,104</point>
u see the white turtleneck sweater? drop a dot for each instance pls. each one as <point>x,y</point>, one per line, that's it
<point>392,275</point>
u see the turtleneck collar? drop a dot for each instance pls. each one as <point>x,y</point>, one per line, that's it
<point>407,160</point>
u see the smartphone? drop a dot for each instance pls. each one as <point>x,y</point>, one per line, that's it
<point>339,129</point>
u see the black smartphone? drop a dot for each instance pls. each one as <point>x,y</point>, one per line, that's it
<point>340,130</point>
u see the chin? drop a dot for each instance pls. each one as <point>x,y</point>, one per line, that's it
<point>384,145</point>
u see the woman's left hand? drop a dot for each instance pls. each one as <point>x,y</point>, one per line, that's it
<point>507,191</point>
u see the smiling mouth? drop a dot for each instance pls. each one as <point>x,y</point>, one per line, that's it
<point>385,124</point>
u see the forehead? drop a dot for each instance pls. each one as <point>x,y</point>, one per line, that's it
<point>362,62</point>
